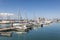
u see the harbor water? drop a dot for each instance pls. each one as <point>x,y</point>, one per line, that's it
<point>49,32</point>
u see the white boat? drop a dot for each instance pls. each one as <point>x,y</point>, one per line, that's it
<point>19,27</point>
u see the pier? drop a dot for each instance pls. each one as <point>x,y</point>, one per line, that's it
<point>7,29</point>
<point>7,34</point>
<point>11,29</point>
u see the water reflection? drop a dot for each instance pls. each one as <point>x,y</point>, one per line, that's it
<point>49,32</point>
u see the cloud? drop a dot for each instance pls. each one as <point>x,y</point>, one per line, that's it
<point>7,14</point>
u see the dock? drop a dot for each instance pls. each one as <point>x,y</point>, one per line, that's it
<point>7,29</point>
<point>12,29</point>
<point>8,34</point>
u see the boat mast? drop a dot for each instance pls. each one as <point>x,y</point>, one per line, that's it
<point>26,17</point>
<point>19,15</point>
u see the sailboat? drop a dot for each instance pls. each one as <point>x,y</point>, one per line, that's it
<point>19,26</point>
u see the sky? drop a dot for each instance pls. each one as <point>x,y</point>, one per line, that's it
<point>31,8</point>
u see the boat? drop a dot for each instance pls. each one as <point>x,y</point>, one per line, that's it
<point>19,27</point>
<point>22,27</point>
